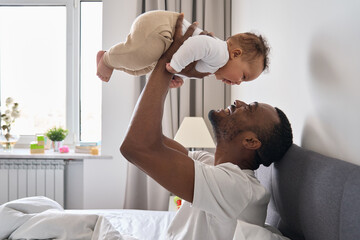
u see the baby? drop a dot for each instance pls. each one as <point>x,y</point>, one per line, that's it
<point>242,57</point>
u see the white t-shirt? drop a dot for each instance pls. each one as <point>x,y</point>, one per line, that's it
<point>223,196</point>
<point>211,54</point>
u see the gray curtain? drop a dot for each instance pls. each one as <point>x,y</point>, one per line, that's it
<point>194,98</point>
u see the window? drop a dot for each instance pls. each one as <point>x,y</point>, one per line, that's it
<point>91,29</point>
<point>33,65</point>
<point>47,69</point>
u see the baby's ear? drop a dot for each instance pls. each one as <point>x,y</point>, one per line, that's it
<point>237,52</point>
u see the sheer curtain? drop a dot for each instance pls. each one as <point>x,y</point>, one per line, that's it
<point>194,98</point>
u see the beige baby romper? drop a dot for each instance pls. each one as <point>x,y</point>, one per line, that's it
<point>150,36</point>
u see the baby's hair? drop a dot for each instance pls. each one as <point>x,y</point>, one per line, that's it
<point>253,46</point>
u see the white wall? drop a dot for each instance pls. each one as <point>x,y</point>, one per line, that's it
<point>314,69</point>
<point>106,179</point>
<point>314,78</point>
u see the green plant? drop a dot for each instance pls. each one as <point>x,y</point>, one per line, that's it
<point>57,134</point>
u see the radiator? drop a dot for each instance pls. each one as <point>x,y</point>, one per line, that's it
<point>28,177</point>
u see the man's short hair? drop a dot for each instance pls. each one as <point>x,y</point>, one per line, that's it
<point>274,141</point>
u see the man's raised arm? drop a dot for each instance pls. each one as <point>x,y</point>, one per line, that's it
<point>145,145</point>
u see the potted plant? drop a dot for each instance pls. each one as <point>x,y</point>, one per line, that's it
<point>57,136</point>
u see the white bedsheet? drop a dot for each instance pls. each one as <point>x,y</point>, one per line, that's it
<point>43,218</point>
<point>136,224</point>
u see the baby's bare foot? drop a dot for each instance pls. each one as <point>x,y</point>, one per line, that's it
<point>103,72</point>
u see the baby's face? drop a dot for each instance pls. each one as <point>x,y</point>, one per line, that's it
<point>238,70</point>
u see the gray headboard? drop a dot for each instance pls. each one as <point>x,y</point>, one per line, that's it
<point>314,197</point>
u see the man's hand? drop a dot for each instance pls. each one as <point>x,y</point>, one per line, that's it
<point>178,38</point>
<point>190,71</point>
<point>210,34</point>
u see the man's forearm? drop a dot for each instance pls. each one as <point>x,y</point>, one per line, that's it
<point>145,127</point>
<point>145,146</point>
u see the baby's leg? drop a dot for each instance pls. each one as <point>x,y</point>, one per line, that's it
<point>139,54</point>
<point>149,37</point>
<point>103,71</point>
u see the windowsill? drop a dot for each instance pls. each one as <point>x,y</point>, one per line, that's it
<point>24,153</point>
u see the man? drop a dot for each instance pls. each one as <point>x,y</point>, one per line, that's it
<point>218,190</point>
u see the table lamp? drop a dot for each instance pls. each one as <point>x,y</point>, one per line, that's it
<point>193,133</point>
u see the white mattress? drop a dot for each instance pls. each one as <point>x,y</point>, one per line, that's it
<point>138,224</point>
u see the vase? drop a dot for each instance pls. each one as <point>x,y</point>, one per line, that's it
<point>8,142</point>
<point>56,145</point>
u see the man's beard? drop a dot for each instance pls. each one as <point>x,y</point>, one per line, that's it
<point>214,120</point>
<point>223,131</point>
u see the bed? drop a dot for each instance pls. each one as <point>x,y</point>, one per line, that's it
<point>313,196</point>
<point>43,218</point>
<point>136,224</point>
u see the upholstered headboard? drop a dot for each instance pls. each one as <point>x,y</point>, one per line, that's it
<point>314,197</point>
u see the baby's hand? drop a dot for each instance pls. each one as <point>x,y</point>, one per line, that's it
<point>170,69</point>
<point>176,82</point>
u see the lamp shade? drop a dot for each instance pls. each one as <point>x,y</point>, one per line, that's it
<point>193,133</point>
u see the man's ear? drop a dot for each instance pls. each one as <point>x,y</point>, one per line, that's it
<point>235,53</point>
<point>251,142</point>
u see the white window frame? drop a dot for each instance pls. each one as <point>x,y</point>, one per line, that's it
<point>72,61</point>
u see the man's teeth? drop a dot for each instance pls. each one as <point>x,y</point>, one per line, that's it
<point>229,110</point>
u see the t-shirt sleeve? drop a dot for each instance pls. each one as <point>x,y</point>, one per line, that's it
<point>203,47</point>
<point>202,156</point>
<point>223,190</point>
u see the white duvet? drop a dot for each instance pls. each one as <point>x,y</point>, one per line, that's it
<point>43,218</point>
